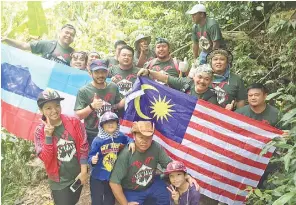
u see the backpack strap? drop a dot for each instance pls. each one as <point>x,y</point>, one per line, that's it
<point>208,95</point>
<point>53,45</point>
<point>151,63</point>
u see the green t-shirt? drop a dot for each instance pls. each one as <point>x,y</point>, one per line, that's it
<point>167,67</point>
<point>110,95</point>
<point>206,34</point>
<point>111,61</point>
<point>125,78</point>
<point>149,57</point>
<point>186,85</point>
<point>231,89</point>
<point>136,171</point>
<point>67,157</point>
<point>52,50</point>
<point>270,115</point>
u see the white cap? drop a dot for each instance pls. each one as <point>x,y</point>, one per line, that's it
<point>197,8</point>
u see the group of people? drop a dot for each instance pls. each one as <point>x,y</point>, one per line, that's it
<point>124,168</point>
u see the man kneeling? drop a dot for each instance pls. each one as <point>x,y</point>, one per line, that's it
<point>133,179</point>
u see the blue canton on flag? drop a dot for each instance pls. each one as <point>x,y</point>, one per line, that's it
<point>220,148</point>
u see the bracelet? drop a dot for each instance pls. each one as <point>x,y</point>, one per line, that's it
<point>91,107</point>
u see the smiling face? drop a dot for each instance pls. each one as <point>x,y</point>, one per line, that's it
<point>202,81</point>
<point>162,50</point>
<point>177,178</point>
<point>52,110</point>
<point>78,60</point>
<point>219,64</point>
<point>67,35</point>
<point>99,76</point>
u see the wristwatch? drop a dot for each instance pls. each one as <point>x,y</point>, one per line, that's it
<point>91,107</point>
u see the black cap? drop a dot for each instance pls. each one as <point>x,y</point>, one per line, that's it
<point>46,96</point>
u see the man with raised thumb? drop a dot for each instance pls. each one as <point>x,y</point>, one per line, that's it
<point>96,98</point>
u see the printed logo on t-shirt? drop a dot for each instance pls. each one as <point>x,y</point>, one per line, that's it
<point>204,43</point>
<point>124,86</point>
<point>109,161</point>
<point>58,59</point>
<point>106,107</point>
<point>222,95</point>
<point>66,150</point>
<point>144,175</point>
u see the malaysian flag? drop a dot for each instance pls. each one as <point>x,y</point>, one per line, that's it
<point>220,148</point>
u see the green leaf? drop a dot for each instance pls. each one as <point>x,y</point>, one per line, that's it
<point>272,95</point>
<point>258,192</point>
<point>287,159</point>
<point>289,115</point>
<point>284,199</point>
<point>37,22</point>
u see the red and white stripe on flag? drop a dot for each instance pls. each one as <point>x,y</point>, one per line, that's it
<point>221,149</point>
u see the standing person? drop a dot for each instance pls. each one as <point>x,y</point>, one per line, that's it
<point>163,61</point>
<point>181,192</point>
<point>102,156</point>
<point>111,61</point>
<point>142,51</point>
<point>78,60</point>
<point>206,33</point>
<point>228,86</point>
<point>199,86</point>
<point>96,98</point>
<point>133,179</point>
<point>91,56</point>
<point>57,50</point>
<point>60,142</point>
<point>257,108</point>
<point>125,73</point>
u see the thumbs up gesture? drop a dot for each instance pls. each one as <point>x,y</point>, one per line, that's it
<point>183,65</point>
<point>94,159</point>
<point>97,103</point>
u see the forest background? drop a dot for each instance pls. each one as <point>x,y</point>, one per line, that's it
<point>260,35</point>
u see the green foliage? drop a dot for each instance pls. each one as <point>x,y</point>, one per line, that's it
<point>263,47</point>
<point>15,174</point>
<point>37,22</point>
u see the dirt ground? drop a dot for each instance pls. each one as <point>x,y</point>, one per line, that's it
<point>40,194</point>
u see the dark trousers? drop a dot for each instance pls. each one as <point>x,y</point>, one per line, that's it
<point>66,196</point>
<point>101,193</point>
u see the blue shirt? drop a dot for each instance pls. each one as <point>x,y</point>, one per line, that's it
<point>107,150</point>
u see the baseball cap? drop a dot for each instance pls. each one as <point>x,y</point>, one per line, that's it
<point>146,128</point>
<point>108,116</point>
<point>98,64</point>
<point>175,166</point>
<point>197,8</point>
<point>46,96</point>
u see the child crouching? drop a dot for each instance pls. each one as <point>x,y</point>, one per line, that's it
<point>103,154</point>
<point>181,192</point>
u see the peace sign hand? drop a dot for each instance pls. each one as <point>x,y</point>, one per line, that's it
<point>175,194</point>
<point>48,128</point>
